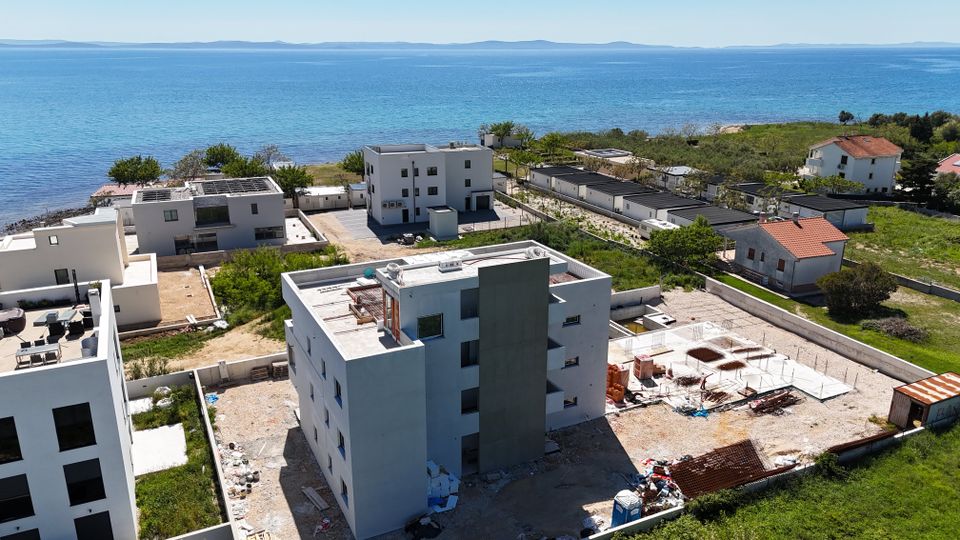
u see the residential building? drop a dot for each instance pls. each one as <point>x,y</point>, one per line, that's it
<point>671,178</point>
<point>718,218</point>
<point>464,358</point>
<point>790,254</point>
<point>490,140</point>
<point>872,161</point>
<point>843,214</point>
<point>613,156</point>
<point>65,436</point>
<point>209,215</point>
<point>949,164</point>
<point>119,198</point>
<point>404,180</point>
<point>58,263</point>
<point>655,205</point>
<point>610,196</point>
<point>761,197</point>
<point>575,185</point>
<point>324,198</point>
<point>545,177</point>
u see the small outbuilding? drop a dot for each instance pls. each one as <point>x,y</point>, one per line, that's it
<point>610,196</point>
<point>926,402</point>
<point>545,177</point>
<point>324,198</point>
<point>443,222</point>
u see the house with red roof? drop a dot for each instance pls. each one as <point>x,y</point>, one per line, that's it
<point>949,164</point>
<point>869,160</point>
<point>788,254</point>
<point>120,198</point>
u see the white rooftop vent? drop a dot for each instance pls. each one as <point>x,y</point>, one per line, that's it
<point>535,252</point>
<point>394,271</point>
<point>450,265</point>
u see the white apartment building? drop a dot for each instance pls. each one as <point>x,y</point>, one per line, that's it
<point>465,358</point>
<point>66,470</point>
<point>47,262</point>
<point>404,180</point>
<point>209,215</point>
<point>872,161</point>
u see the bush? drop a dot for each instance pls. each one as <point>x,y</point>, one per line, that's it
<point>897,327</point>
<point>715,505</point>
<point>857,291</point>
<point>828,466</point>
<point>148,367</point>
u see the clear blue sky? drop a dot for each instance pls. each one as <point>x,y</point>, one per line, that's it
<point>667,22</point>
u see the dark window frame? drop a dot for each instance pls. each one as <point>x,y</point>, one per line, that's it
<point>82,420</point>
<point>420,324</point>
<point>87,484</point>
<point>10,450</point>
<point>18,506</point>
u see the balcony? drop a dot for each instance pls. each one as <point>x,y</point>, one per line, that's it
<point>469,377</point>
<point>554,399</point>
<point>556,355</point>
<point>814,163</point>
<point>557,310</point>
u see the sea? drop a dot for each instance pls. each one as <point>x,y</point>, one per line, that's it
<point>67,114</point>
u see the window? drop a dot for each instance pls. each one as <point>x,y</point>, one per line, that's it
<point>469,303</point>
<point>870,176</point>
<point>751,253</point>
<point>873,161</point>
<point>316,437</point>
<point>54,240</point>
<point>432,190</point>
<point>311,392</point>
<point>337,392</point>
<point>466,183</point>
<point>466,164</point>
<point>371,168</point>
<point>404,192</point>
<point>329,463</point>
<point>116,308</point>
<point>571,362</point>
<point>323,368</point>
<point>84,482</point>
<point>62,276</point>
<point>74,426</point>
<point>32,534</point>
<point>212,215</point>
<point>341,444</point>
<point>418,211</point>
<point>15,501</point>
<point>416,171</point>
<point>843,160</point>
<point>404,173</point>
<point>254,209</point>
<point>430,326</point>
<point>343,492</point>
<point>763,256</point>
<point>781,264</point>
<point>884,190</point>
<point>469,353</point>
<point>171,215</point>
<point>268,233</point>
<point>416,192</point>
<point>9,443</point>
<point>431,171</point>
<point>469,400</point>
<point>750,199</point>
<point>842,175</point>
<point>373,188</point>
<point>291,358</point>
<point>326,416</point>
<point>94,527</point>
<point>570,402</point>
<point>571,320</point>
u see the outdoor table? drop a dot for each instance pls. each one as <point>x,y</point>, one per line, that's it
<point>42,319</point>
<point>41,350</point>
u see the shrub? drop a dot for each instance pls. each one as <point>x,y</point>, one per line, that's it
<point>715,505</point>
<point>828,466</point>
<point>897,327</point>
<point>148,367</point>
<point>858,290</point>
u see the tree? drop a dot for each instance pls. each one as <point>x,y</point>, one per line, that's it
<point>831,184</point>
<point>220,154</point>
<point>949,132</point>
<point>552,144</point>
<point>728,196</point>
<point>696,244</point>
<point>353,162</point>
<point>593,164</point>
<point>857,291</point>
<point>244,168</point>
<point>189,167</point>
<point>523,135</point>
<point>917,174</point>
<point>292,180</point>
<point>521,158</point>
<point>502,130</point>
<point>693,184</point>
<point>845,117</point>
<point>946,190</point>
<point>270,154</point>
<point>137,170</point>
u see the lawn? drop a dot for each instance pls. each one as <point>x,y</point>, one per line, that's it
<point>331,174</point>
<point>907,492</point>
<point>171,346</point>
<point>917,246</point>
<point>181,499</point>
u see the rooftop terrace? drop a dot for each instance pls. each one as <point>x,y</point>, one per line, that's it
<point>57,349</point>
<point>200,188</point>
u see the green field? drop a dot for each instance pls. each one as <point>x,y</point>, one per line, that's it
<point>908,492</point>
<point>911,244</point>
<point>331,174</point>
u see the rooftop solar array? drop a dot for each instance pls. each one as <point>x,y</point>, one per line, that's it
<point>154,195</point>
<point>233,186</point>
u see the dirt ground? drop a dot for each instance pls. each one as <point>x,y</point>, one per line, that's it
<point>260,418</point>
<point>238,344</point>
<point>182,293</point>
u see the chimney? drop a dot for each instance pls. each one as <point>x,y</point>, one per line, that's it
<point>763,217</point>
<point>796,218</point>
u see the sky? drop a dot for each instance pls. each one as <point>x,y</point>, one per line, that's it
<point>700,23</point>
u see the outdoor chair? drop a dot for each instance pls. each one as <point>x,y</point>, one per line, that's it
<point>51,357</point>
<point>56,328</point>
<point>36,359</point>
<point>75,328</point>
<point>39,342</point>
<point>25,345</point>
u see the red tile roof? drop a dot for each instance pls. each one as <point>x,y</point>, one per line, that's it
<point>933,389</point>
<point>950,164</point>
<point>806,238</point>
<point>863,146</point>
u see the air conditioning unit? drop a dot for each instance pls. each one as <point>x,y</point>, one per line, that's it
<point>386,205</point>
<point>450,266</point>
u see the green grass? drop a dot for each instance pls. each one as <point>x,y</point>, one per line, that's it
<point>181,499</point>
<point>910,244</point>
<point>500,166</point>
<point>331,174</point>
<point>172,346</point>
<point>907,492</point>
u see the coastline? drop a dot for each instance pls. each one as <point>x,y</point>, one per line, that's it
<point>47,218</point>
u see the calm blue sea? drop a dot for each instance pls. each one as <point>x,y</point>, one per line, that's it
<point>65,115</point>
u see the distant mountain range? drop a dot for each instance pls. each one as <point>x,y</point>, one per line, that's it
<point>403,45</point>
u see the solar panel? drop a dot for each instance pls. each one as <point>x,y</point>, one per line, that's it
<point>154,195</point>
<point>233,185</point>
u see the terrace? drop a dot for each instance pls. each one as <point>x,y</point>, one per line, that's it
<point>50,349</point>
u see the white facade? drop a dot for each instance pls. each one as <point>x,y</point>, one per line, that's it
<point>324,198</point>
<point>655,205</point>
<point>392,371</point>
<point>610,196</point>
<point>210,215</point>
<point>44,263</point>
<point>404,180</point>
<point>876,171</point>
<point>840,215</point>
<point>41,401</point>
<point>545,177</point>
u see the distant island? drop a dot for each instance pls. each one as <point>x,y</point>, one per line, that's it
<point>404,45</point>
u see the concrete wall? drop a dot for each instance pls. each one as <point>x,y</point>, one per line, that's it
<point>859,352</point>
<point>218,532</point>
<point>854,218</point>
<point>634,297</point>
<point>327,201</point>
<point>910,283</point>
<point>215,258</point>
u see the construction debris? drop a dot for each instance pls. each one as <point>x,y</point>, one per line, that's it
<point>732,365</point>
<point>239,477</point>
<point>722,468</point>
<point>774,403</point>
<point>442,489</point>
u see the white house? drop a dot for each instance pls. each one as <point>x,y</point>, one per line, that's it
<point>403,180</point>
<point>324,198</point>
<point>59,262</point>
<point>209,215</point>
<point>65,436</point>
<point>842,214</point>
<point>609,196</point>
<point>545,177</point>
<point>872,161</point>
<point>670,178</point>
<point>655,205</point>
<point>373,351</point>
<point>575,185</point>
<point>759,196</point>
<point>120,198</point>
<point>790,254</point>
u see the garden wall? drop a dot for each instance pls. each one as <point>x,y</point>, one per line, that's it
<point>926,288</point>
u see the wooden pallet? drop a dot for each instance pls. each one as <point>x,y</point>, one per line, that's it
<point>259,373</point>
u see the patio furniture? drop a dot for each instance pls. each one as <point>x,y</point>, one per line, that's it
<point>39,343</point>
<point>25,345</point>
<point>37,353</point>
<point>56,328</point>
<point>66,316</point>
<point>12,321</point>
<point>36,359</point>
<point>45,318</point>
<point>51,357</point>
<point>75,328</point>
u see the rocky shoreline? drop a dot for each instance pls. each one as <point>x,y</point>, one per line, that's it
<point>52,217</point>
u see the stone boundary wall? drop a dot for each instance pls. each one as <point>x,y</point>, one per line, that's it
<point>917,285</point>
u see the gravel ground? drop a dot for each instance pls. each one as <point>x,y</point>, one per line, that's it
<point>182,293</point>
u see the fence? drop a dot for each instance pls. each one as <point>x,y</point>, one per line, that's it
<point>917,285</point>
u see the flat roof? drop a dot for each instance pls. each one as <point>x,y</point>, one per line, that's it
<point>661,200</point>
<point>556,171</point>
<point>715,215</point>
<point>933,389</point>
<point>317,191</point>
<point>761,189</point>
<point>622,188</point>
<point>607,153</point>
<point>677,170</point>
<point>69,346</point>
<point>234,186</point>
<point>823,204</point>
<point>585,178</point>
